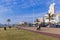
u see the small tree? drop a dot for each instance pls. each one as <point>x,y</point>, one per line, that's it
<point>38,24</point>
<point>25,23</point>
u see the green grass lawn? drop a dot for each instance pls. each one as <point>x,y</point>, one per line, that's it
<point>13,34</point>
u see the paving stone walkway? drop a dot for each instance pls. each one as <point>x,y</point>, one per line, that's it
<point>33,29</point>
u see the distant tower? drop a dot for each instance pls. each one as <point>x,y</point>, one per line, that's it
<point>51,8</point>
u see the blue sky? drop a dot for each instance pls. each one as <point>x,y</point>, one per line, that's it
<point>22,10</point>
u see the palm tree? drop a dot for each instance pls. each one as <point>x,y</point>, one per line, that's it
<point>9,20</point>
<point>50,17</point>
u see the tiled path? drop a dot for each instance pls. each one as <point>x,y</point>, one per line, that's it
<point>43,31</point>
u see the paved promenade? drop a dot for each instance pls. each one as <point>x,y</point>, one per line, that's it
<point>54,32</point>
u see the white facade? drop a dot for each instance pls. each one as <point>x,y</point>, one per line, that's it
<point>51,8</point>
<point>51,11</point>
<point>56,19</point>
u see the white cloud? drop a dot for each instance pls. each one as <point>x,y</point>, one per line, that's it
<point>30,3</point>
<point>5,10</point>
<point>31,15</point>
<point>24,3</point>
<point>50,1</point>
<point>8,2</point>
<point>57,1</point>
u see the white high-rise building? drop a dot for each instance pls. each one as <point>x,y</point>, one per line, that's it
<point>51,11</point>
<point>55,18</point>
<point>51,8</point>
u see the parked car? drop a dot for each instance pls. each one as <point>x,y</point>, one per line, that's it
<point>57,26</point>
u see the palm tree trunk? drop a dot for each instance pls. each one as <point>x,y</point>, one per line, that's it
<point>49,20</point>
<point>8,24</point>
